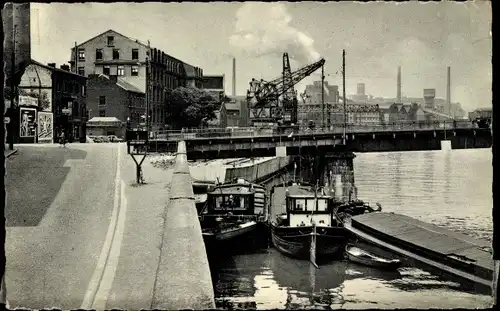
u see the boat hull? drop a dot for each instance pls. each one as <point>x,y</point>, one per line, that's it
<point>231,233</point>
<point>374,263</point>
<point>296,241</point>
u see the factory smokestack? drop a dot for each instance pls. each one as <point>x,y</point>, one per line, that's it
<point>399,85</point>
<point>234,76</point>
<point>448,93</point>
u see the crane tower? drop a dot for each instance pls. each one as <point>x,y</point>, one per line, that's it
<point>275,102</point>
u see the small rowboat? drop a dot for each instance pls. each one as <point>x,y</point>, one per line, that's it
<point>363,257</point>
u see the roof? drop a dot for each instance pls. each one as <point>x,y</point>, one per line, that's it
<point>104,119</point>
<point>122,83</point>
<point>127,86</point>
<point>34,62</point>
<point>113,31</point>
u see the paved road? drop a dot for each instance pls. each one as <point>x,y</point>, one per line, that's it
<point>67,210</point>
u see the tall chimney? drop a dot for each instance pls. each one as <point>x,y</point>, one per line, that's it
<point>448,93</point>
<point>234,76</point>
<point>399,85</point>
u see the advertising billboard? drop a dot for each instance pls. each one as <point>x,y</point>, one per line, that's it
<point>28,101</point>
<point>28,122</point>
<point>45,127</point>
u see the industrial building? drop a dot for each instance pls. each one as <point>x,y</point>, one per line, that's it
<point>112,96</point>
<point>360,96</point>
<point>113,54</point>
<point>311,106</point>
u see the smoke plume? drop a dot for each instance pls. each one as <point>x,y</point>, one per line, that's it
<point>264,28</point>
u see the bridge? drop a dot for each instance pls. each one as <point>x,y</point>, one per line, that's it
<point>437,113</point>
<point>255,142</point>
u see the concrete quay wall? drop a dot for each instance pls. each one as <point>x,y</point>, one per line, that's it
<point>258,171</point>
<point>226,170</point>
<point>183,280</point>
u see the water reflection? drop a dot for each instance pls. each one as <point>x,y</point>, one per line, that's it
<point>451,189</point>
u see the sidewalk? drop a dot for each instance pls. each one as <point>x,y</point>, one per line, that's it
<point>135,277</point>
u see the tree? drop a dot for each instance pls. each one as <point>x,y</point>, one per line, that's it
<point>190,107</point>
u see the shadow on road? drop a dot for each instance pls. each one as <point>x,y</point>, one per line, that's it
<point>34,178</point>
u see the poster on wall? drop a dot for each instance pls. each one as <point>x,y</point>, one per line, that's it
<point>45,128</point>
<point>27,124</point>
<point>28,101</point>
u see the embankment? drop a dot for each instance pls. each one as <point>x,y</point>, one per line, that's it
<point>183,280</point>
<point>255,170</point>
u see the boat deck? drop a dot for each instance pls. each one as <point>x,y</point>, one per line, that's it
<point>451,251</point>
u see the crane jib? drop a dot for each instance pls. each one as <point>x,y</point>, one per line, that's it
<point>273,89</point>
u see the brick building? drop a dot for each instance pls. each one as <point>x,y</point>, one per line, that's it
<point>59,92</point>
<point>113,54</point>
<point>112,96</point>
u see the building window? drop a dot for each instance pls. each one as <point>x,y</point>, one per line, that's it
<point>81,71</point>
<point>98,54</point>
<point>135,70</point>
<point>83,90</point>
<point>111,40</point>
<point>116,54</point>
<point>102,102</point>
<point>102,112</point>
<point>121,71</point>
<point>81,54</point>
<point>106,70</point>
<point>135,53</point>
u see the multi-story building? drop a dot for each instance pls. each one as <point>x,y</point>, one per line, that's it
<point>311,106</point>
<point>360,96</point>
<point>237,112</point>
<point>60,101</point>
<point>213,84</point>
<point>402,112</point>
<point>429,96</point>
<point>356,114</point>
<point>111,96</point>
<point>113,54</point>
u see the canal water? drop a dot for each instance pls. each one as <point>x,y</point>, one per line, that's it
<point>447,188</point>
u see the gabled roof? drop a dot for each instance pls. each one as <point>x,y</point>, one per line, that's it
<point>127,86</point>
<point>122,83</point>
<point>20,71</point>
<point>110,31</point>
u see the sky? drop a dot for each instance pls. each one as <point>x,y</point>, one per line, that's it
<point>422,38</point>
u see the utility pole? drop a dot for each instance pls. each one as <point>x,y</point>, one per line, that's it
<point>13,108</point>
<point>345,100</point>
<point>148,73</point>
<point>323,95</point>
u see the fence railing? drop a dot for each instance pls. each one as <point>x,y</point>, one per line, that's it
<point>245,132</point>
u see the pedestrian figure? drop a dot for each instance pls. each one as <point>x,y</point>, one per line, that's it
<point>62,139</point>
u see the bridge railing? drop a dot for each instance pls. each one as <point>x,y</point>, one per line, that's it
<point>245,132</point>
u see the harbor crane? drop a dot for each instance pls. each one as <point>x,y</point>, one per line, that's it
<point>275,102</point>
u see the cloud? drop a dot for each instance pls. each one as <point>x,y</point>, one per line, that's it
<point>264,29</point>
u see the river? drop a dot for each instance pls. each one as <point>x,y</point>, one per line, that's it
<point>451,189</point>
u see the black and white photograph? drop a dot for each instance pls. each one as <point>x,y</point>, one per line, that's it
<point>248,155</point>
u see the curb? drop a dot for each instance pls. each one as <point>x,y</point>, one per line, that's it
<point>10,152</point>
